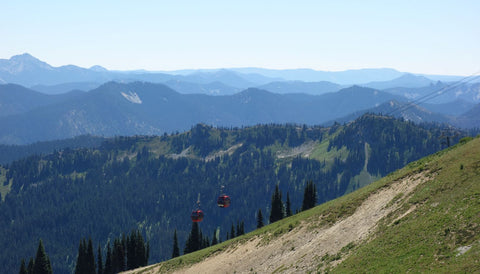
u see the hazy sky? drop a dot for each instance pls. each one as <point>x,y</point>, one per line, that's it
<point>435,37</point>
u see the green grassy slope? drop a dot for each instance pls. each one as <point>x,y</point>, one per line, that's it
<point>434,228</point>
<point>445,221</point>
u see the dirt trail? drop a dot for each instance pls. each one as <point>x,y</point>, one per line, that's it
<point>301,249</point>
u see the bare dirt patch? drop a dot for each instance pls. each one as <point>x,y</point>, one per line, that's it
<point>304,149</point>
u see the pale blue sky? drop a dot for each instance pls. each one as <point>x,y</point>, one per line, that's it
<point>435,37</point>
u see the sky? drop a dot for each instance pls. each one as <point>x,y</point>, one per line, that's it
<point>431,37</point>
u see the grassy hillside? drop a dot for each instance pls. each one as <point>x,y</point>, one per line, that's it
<point>422,218</point>
<point>443,222</point>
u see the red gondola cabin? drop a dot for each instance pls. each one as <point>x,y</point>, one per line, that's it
<point>223,201</point>
<point>197,216</point>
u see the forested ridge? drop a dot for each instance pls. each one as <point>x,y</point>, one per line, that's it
<point>10,153</point>
<point>150,183</point>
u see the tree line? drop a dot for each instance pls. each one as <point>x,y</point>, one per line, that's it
<point>127,252</point>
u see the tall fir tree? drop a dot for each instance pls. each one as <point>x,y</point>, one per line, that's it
<point>277,211</point>
<point>136,250</point>
<point>205,242</point>
<point>108,261</point>
<point>80,267</point>
<point>309,196</point>
<point>288,210</point>
<point>147,254</point>
<point>232,232</point>
<point>194,242</point>
<point>241,228</point>
<point>99,261</point>
<point>259,219</point>
<point>118,255</point>
<point>214,238</point>
<point>31,265</point>
<point>200,237</point>
<point>23,268</point>
<point>42,262</point>
<point>86,258</point>
<point>176,250</point>
<point>90,259</point>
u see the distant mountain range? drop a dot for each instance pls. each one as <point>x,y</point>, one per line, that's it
<point>405,110</point>
<point>406,81</point>
<point>439,92</point>
<point>68,101</point>
<point>314,88</point>
<point>146,108</point>
<point>28,71</point>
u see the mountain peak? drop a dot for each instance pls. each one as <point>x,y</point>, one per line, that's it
<point>410,76</point>
<point>98,68</point>
<point>23,57</point>
<point>24,62</point>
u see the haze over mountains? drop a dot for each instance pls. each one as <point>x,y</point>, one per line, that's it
<point>29,71</point>
<point>39,102</point>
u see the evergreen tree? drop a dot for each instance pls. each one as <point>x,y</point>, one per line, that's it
<point>90,259</point>
<point>118,255</point>
<point>259,219</point>
<point>214,238</point>
<point>42,262</point>
<point>200,237</point>
<point>80,266</point>
<point>31,265</point>
<point>176,251</point>
<point>288,206</point>
<point>86,258</point>
<point>205,242</point>
<point>23,268</point>
<point>131,248</point>
<point>232,232</point>
<point>194,241</point>
<point>306,197</point>
<point>137,251</point>
<point>147,255</point>
<point>108,261</point>
<point>309,196</point>
<point>277,211</point>
<point>241,228</point>
<point>99,261</point>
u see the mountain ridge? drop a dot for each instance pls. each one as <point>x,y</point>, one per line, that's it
<point>105,111</point>
<point>29,71</point>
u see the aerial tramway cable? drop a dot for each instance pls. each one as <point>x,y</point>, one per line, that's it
<point>436,93</point>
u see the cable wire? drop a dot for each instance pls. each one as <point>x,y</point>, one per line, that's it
<point>436,93</point>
